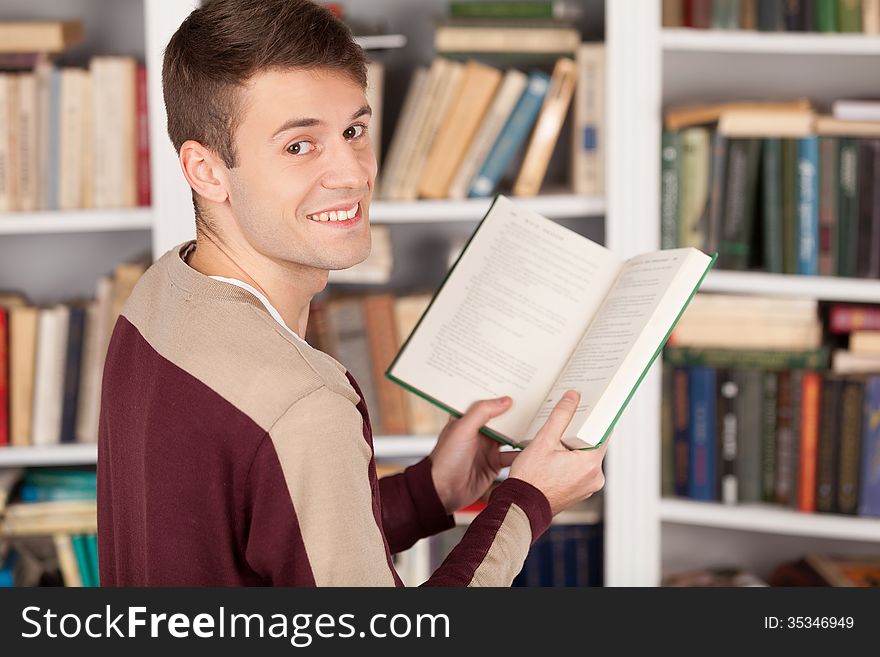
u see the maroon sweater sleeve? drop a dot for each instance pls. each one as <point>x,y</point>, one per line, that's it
<point>495,545</point>
<point>411,508</point>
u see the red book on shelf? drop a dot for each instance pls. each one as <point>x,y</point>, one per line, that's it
<point>846,318</point>
<point>810,405</point>
<point>143,138</point>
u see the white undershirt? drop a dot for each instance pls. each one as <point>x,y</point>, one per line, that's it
<point>272,311</point>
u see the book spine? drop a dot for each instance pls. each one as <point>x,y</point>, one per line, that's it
<point>869,484</point>
<point>794,15</point>
<point>827,450</point>
<point>849,15</point>
<point>588,126</point>
<point>728,434</point>
<point>871,16</point>
<point>810,16</point>
<point>771,198</point>
<point>811,396</point>
<point>868,258</point>
<point>748,19</point>
<point>797,390</point>
<point>501,9</point>
<point>694,188</point>
<point>789,206</point>
<point>513,134</point>
<point>828,205</point>
<point>784,438</point>
<point>848,206</point>
<point>547,128</point>
<point>826,15</point>
<point>73,362</point>
<point>701,459</point>
<point>698,14</point>
<point>768,436</point>
<point>843,318</point>
<point>808,206</point>
<point>143,140</point>
<point>718,173</point>
<point>669,189</point>
<point>742,176</point>
<point>750,398</point>
<point>770,16</point>
<point>672,13</point>
<point>681,428</point>
<point>852,410</point>
<point>667,432</point>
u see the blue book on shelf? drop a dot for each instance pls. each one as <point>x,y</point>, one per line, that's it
<point>92,551</point>
<point>869,487</point>
<point>7,569</point>
<point>80,551</point>
<point>701,459</point>
<point>808,206</point>
<point>512,135</point>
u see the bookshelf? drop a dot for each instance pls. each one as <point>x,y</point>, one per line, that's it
<point>646,535</point>
<point>46,455</point>
<point>76,221</point>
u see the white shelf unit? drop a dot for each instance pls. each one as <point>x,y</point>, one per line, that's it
<point>75,221</point>
<point>42,455</point>
<point>649,68</point>
<point>743,41</point>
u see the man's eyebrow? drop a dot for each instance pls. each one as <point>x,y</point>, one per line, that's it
<point>309,122</point>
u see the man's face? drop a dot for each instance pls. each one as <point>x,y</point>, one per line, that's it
<point>305,171</point>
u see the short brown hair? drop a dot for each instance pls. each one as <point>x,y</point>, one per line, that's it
<point>223,43</point>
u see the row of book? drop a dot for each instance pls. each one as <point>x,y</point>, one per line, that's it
<point>52,359</point>
<point>774,400</point>
<point>804,439</point>
<point>464,127</point>
<point>54,507</point>
<point>74,137</point>
<point>811,569</point>
<point>850,16</point>
<point>364,333</point>
<point>774,189</point>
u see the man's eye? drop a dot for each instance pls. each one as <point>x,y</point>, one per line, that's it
<point>354,131</point>
<point>300,148</point>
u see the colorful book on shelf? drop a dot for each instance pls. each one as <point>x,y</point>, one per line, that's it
<point>512,136</point>
<point>868,251</point>
<point>39,36</point>
<point>561,9</point>
<point>701,438</point>
<point>509,92</point>
<point>588,122</point>
<point>524,282</point>
<point>869,476</point>
<point>547,128</point>
<point>531,36</point>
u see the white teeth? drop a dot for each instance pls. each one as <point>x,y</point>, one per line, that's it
<point>335,215</point>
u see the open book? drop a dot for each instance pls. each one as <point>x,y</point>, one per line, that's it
<point>531,309</point>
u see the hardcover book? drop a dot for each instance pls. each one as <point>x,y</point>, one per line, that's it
<point>531,309</point>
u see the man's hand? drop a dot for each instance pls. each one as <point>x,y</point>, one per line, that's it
<point>464,463</point>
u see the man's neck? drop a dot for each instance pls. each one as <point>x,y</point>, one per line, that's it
<point>289,291</point>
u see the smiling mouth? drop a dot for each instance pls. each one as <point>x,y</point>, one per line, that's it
<point>335,215</point>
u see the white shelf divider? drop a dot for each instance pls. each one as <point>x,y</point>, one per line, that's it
<point>827,288</point>
<point>770,519</point>
<point>743,41</point>
<point>389,447</point>
<point>556,206</point>
<point>75,221</point>
<point>72,454</point>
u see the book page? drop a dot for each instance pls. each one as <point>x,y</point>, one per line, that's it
<point>508,315</point>
<point>620,343</point>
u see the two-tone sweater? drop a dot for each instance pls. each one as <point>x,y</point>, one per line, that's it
<point>232,453</point>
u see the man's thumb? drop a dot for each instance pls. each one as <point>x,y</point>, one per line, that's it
<point>480,412</point>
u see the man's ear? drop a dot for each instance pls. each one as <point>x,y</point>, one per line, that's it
<point>204,171</point>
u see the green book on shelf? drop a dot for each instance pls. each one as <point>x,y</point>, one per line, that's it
<point>849,15</point>
<point>81,552</point>
<point>771,201</point>
<point>826,15</point>
<point>847,206</point>
<point>531,309</point>
<point>789,206</point>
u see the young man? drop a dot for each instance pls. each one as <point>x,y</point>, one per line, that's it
<point>231,452</point>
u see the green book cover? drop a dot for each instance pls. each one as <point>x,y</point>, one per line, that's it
<point>826,15</point>
<point>848,206</point>
<point>828,206</point>
<point>740,203</point>
<point>771,202</point>
<point>531,309</point>
<point>747,358</point>
<point>670,175</point>
<point>511,9</point>
<point>849,15</point>
<point>81,552</point>
<point>768,437</point>
<point>789,205</point>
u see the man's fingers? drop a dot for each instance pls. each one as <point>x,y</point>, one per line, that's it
<point>560,417</point>
<point>480,412</point>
